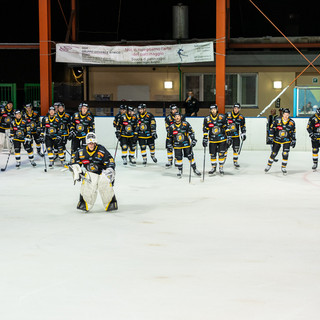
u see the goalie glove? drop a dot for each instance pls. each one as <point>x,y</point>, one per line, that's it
<point>110,174</point>
<point>76,172</point>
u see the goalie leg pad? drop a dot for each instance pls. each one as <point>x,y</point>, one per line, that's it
<point>89,188</point>
<point>107,193</point>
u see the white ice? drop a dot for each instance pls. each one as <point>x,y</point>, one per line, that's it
<point>245,246</point>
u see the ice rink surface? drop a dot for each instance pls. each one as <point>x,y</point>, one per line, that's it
<point>245,246</point>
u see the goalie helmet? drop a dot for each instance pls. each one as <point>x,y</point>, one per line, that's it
<point>91,138</point>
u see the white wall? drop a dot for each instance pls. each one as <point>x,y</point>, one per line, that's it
<point>256,133</point>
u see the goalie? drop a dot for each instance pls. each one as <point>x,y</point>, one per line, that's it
<point>98,177</point>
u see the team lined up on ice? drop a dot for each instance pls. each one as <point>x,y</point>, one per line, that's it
<point>220,131</point>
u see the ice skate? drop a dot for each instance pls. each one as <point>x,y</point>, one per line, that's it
<point>268,167</point>
<point>315,165</point>
<point>212,171</point>
<point>221,172</point>
<point>132,160</point>
<point>284,171</point>
<point>179,174</point>
<point>51,164</point>
<point>18,163</point>
<point>33,163</point>
<point>154,159</point>
<point>275,160</point>
<point>169,165</point>
<point>82,204</point>
<point>124,161</point>
<point>40,153</point>
<point>144,162</point>
<point>236,164</point>
<point>196,171</point>
<point>113,205</point>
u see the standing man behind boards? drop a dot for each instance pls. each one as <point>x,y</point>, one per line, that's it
<point>191,105</point>
<point>313,128</point>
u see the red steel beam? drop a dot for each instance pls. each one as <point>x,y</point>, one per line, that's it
<point>221,36</point>
<point>45,55</point>
<point>73,28</point>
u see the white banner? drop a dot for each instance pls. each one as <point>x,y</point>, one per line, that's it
<point>133,55</point>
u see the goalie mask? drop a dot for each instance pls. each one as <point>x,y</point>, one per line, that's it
<point>91,138</point>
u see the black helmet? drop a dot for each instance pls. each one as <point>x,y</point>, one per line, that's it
<point>142,106</point>
<point>237,105</point>
<point>173,106</point>
<point>28,105</point>
<point>214,106</point>
<point>286,110</point>
<point>83,105</point>
<point>123,107</point>
<point>130,108</point>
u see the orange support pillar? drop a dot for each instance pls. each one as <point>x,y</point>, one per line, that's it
<point>73,9</point>
<point>45,55</point>
<point>221,54</point>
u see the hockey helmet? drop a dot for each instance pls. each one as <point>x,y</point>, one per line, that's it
<point>237,105</point>
<point>214,106</point>
<point>142,106</point>
<point>83,105</point>
<point>173,106</point>
<point>17,112</point>
<point>91,138</point>
<point>28,105</point>
<point>52,108</point>
<point>286,110</point>
<point>123,107</point>
<point>130,108</point>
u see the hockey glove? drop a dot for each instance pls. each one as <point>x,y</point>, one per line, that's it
<point>110,174</point>
<point>154,135</point>
<point>118,135</point>
<point>229,141</point>
<point>312,136</point>
<point>58,139</point>
<point>41,138</point>
<point>72,135</point>
<point>135,138</point>
<point>27,139</point>
<point>293,143</point>
<point>11,139</point>
<point>270,140</point>
<point>205,142</point>
<point>243,136</point>
<point>193,143</point>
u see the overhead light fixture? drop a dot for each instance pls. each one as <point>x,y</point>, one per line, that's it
<point>168,84</point>
<point>277,84</point>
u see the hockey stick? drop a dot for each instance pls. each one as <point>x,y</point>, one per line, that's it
<point>204,163</point>
<point>44,158</point>
<point>240,146</point>
<point>115,153</point>
<point>4,169</point>
<point>190,173</point>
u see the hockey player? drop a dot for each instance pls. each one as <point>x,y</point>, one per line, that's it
<point>146,128</point>
<point>122,110</point>
<point>50,127</point>
<point>64,119</point>
<point>6,116</point>
<point>99,175</point>
<point>182,139</point>
<point>282,133</point>
<point>169,120</point>
<point>313,128</point>
<point>32,118</point>
<point>127,134</point>
<point>237,128</point>
<point>215,133</point>
<point>20,133</point>
<point>82,123</point>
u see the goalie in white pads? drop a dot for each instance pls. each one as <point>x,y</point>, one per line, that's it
<point>98,177</point>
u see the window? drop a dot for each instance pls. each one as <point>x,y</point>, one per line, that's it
<point>241,87</point>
